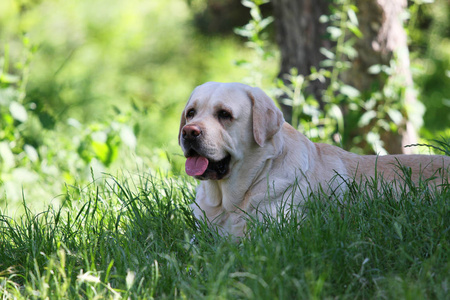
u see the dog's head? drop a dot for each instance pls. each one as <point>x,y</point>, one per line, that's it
<point>221,123</point>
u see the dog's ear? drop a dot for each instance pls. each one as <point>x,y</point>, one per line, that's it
<point>267,118</point>
<point>182,123</point>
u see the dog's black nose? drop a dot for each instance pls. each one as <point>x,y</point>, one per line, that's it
<point>191,132</point>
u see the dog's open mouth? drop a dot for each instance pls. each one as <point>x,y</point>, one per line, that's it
<point>204,168</point>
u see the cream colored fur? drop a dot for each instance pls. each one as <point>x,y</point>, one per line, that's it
<point>268,156</point>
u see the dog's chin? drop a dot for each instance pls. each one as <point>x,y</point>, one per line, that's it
<point>216,170</point>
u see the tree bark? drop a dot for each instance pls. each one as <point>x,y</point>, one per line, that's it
<point>300,35</point>
<point>384,38</point>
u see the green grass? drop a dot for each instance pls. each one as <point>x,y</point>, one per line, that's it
<point>135,237</point>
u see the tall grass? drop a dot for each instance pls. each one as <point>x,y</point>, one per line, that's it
<point>134,236</point>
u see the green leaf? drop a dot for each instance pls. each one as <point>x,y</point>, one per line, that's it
<point>136,129</point>
<point>355,30</point>
<point>395,115</point>
<point>243,32</point>
<point>385,125</point>
<point>375,69</point>
<point>241,62</point>
<point>349,91</point>
<point>352,17</point>
<point>324,19</point>
<point>127,136</point>
<point>18,112</point>
<point>74,123</point>
<point>327,63</point>
<point>398,230</point>
<point>135,106</point>
<point>348,50</point>
<point>366,118</point>
<point>327,53</point>
<point>334,32</point>
<point>255,13</point>
<point>248,3</point>
<point>117,110</point>
<point>336,113</point>
<point>6,155</point>
<point>101,151</point>
<point>265,22</point>
<point>129,279</point>
<point>376,142</point>
<point>8,78</point>
<point>84,151</point>
<point>31,153</point>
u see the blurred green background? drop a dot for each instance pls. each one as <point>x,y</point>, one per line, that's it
<point>98,86</point>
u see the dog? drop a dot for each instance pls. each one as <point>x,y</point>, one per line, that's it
<point>248,158</point>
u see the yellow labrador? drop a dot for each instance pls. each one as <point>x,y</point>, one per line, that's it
<point>236,141</point>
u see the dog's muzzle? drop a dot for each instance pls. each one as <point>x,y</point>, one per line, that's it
<point>198,164</point>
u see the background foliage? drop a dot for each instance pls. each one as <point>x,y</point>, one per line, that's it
<point>91,86</point>
<point>95,85</point>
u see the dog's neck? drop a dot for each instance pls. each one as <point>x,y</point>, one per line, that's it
<point>225,202</point>
<point>234,192</point>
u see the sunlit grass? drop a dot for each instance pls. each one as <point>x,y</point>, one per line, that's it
<point>135,237</point>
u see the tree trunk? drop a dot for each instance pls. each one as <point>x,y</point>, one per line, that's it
<point>300,35</point>
<point>384,37</point>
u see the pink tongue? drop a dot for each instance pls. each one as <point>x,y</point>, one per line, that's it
<point>196,165</point>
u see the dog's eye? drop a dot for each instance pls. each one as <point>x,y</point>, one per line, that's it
<point>190,113</point>
<point>223,114</point>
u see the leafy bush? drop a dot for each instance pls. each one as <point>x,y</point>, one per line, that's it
<point>33,158</point>
<point>82,91</point>
<point>353,119</point>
